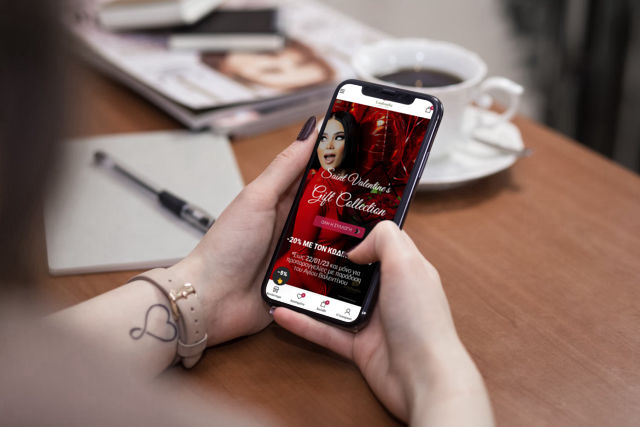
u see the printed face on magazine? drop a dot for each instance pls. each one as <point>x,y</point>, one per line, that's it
<point>287,69</point>
<point>294,67</point>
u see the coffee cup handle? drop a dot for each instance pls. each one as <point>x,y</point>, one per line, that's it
<point>511,89</point>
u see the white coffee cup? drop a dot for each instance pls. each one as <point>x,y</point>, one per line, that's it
<point>389,56</point>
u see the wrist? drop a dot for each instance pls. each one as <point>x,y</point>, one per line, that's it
<point>186,313</point>
<point>443,369</point>
<point>450,381</point>
<point>201,275</point>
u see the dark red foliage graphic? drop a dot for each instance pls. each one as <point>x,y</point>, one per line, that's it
<point>389,138</point>
<point>388,149</point>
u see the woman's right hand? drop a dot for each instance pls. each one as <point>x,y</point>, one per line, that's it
<point>409,353</point>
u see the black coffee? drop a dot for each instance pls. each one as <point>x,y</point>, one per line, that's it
<point>423,77</point>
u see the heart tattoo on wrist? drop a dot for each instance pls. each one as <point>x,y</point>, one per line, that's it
<point>171,332</point>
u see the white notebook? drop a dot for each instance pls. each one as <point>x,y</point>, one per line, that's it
<point>97,221</point>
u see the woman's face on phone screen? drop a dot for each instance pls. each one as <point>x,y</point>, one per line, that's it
<point>331,147</point>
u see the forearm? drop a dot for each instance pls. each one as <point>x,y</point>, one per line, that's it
<point>133,320</point>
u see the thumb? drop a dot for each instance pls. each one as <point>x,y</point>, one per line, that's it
<point>289,164</point>
<point>384,240</point>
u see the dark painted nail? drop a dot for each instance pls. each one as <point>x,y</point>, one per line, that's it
<point>307,129</point>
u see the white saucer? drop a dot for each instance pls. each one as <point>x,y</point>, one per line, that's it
<point>471,160</point>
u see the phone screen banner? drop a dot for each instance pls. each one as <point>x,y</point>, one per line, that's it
<point>360,167</point>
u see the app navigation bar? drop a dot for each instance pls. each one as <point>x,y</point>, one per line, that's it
<point>312,301</point>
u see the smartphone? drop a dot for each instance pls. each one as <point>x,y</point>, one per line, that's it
<point>371,150</point>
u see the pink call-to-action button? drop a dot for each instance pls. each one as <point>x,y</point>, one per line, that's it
<point>338,226</point>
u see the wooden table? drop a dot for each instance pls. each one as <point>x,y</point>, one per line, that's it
<point>541,264</point>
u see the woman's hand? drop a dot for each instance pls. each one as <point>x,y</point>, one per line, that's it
<point>409,353</point>
<point>228,265</point>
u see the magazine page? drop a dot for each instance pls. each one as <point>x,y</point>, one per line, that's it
<point>320,42</point>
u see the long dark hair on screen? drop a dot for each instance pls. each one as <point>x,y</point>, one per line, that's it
<point>351,140</point>
<point>31,113</point>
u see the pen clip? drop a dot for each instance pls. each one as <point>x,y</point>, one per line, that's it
<point>197,217</point>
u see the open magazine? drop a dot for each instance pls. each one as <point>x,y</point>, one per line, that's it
<point>234,92</point>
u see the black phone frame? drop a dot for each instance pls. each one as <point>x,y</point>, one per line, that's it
<point>385,93</point>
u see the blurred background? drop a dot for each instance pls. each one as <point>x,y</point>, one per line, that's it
<point>579,60</point>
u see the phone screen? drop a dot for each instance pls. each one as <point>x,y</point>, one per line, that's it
<point>360,167</point>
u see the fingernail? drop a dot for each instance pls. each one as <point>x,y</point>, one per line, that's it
<point>271,310</point>
<point>307,129</point>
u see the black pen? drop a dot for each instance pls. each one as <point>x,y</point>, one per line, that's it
<point>192,214</point>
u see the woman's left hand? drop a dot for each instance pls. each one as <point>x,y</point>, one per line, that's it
<point>228,265</point>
